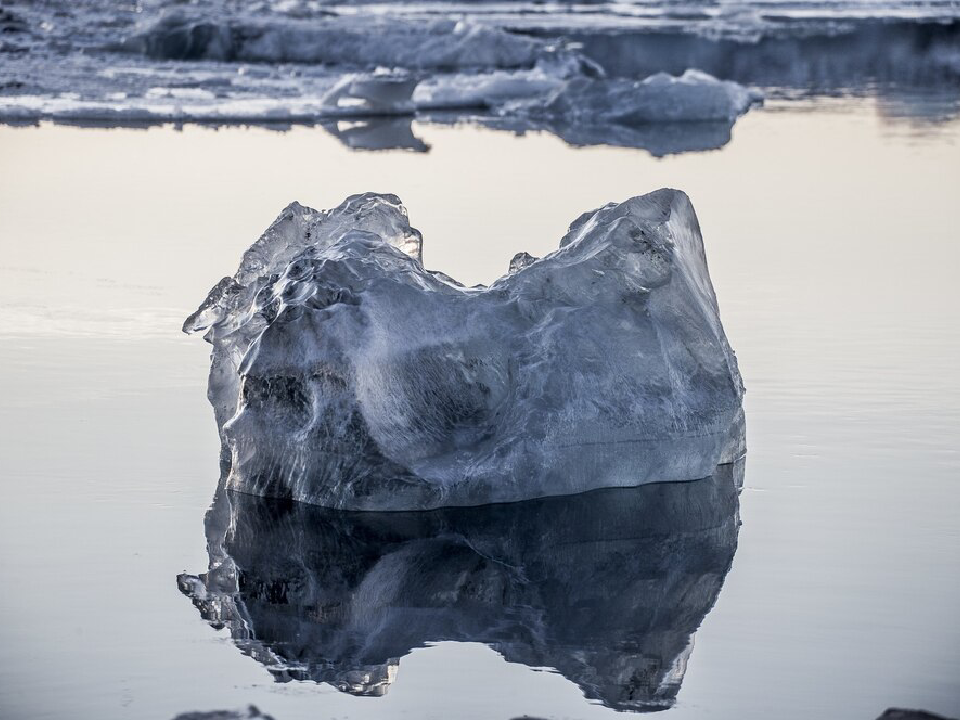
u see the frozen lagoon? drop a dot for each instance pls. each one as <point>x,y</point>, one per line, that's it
<point>842,596</point>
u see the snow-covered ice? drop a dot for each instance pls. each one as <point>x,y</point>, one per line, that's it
<point>692,97</point>
<point>345,374</point>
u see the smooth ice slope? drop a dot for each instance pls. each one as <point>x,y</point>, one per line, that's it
<point>345,374</point>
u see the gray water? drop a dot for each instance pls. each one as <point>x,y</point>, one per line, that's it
<point>830,229</point>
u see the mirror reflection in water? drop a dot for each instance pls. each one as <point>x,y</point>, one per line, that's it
<point>607,587</point>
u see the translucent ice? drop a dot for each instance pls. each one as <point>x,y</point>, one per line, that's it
<point>366,41</point>
<point>345,374</point>
<point>693,96</point>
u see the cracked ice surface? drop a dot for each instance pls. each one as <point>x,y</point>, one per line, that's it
<point>345,374</point>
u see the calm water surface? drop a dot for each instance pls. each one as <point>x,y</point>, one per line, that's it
<point>833,245</point>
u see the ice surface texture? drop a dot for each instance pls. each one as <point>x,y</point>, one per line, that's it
<point>345,374</point>
<point>694,96</point>
<point>222,65</point>
<point>339,597</point>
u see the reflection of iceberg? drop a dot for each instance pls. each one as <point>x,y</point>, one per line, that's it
<point>922,110</point>
<point>606,587</point>
<point>345,374</point>
<point>378,133</point>
<point>658,139</point>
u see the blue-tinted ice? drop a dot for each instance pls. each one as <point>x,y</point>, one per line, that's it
<point>347,375</point>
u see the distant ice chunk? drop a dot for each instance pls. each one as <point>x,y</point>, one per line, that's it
<point>345,374</point>
<point>659,139</point>
<point>376,133</point>
<point>488,90</point>
<point>498,88</point>
<point>364,41</point>
<point>387,92</point>
<point>606,588</point>
<point>691,97</point>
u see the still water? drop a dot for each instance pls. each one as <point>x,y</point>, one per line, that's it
<point>831,233</point>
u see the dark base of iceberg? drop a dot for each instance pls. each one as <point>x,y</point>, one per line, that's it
<point>347,375</point>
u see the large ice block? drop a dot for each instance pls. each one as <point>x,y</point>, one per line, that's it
<point>345,374</point>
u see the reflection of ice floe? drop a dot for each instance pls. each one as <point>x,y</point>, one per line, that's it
<point>345,374</point>
<point>251,712</point>
<point>659,139</point>
<point>382,133</point>
<point>607,588</point>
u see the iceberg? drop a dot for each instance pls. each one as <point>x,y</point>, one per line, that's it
<point>694,96</point>
<point>329,596</point>
<point>345,374</point>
